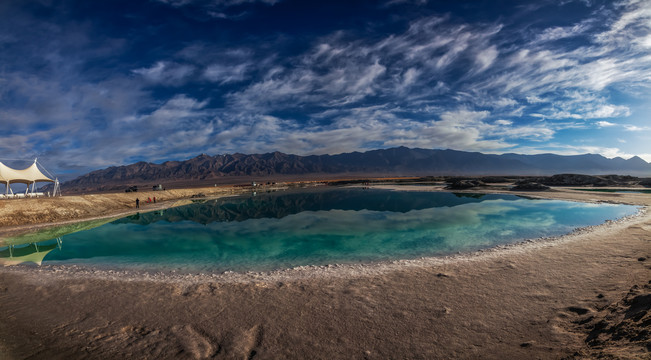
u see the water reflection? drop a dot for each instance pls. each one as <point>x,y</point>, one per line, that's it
<point>280,205</point>
<point>469,195</point>
<point>32,252</point>
<point>53,232</point>
<point>34,246</point>
<point>273,231</point>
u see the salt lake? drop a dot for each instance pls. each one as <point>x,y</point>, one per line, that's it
<point>310,227</point>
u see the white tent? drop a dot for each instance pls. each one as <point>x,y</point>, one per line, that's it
<point>28,176</point>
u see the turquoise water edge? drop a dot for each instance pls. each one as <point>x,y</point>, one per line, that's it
<point>316,227</point>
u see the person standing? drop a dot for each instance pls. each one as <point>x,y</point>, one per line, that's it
<point>137,203</point>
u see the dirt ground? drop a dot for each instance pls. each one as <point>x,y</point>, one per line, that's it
<point>583,296</point>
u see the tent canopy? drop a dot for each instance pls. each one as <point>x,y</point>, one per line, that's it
<point>26,176</point>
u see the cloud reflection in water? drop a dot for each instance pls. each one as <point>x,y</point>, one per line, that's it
<point>333,226</point>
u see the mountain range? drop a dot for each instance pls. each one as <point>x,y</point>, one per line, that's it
<point>400,161</point>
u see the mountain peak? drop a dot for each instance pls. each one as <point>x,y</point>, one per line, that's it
<point>401,161</point>
<point>637,159</point>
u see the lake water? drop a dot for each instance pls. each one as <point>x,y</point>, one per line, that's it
<point>342,225</point>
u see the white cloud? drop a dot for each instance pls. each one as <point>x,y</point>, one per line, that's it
<point>539,132</point>
<point>343,70</point>
<point>225,74</point>
<point>409,77</point>
<point>582,105</point>
<point>605,151</point>
<point>504,102</point>
<point>176,111</point>
<point>486,57</point>
<point>635,18</point>
<point>167,73</point>
<point>421,104</point>
<point>337,86</point>
<point>535,100</point>
<point>608,111</point>
<point>645,157</point>
<point>416,87</point>
<point>364,128</point>
<point>15,144</point>
<point>463,116</point>
<point>564,149</point>
<point>365,82</point>
<point>562,32</point>
<point>644,41</point>
<point>636,128</point>
<point>602,124</point>
<point>538,71</point>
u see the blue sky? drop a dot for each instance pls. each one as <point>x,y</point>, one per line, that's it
<point>91,84</point>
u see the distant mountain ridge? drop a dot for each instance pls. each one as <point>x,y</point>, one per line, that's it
<point>394,161</point>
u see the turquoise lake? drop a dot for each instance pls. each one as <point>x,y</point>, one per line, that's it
<point>316,227</point>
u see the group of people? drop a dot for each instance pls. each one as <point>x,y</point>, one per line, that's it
<point>149,200</point>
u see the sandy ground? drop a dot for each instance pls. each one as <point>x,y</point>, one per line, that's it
<point>584,295</point>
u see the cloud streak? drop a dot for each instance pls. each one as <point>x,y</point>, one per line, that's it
<point>182,79</point>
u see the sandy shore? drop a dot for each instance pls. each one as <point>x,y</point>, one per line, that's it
<point>579,296</point>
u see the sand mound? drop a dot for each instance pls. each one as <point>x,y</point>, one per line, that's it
<point>621,329</point>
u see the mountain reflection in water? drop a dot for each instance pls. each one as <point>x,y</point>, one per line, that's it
<point>316,227</point>
<point>279,205</point>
